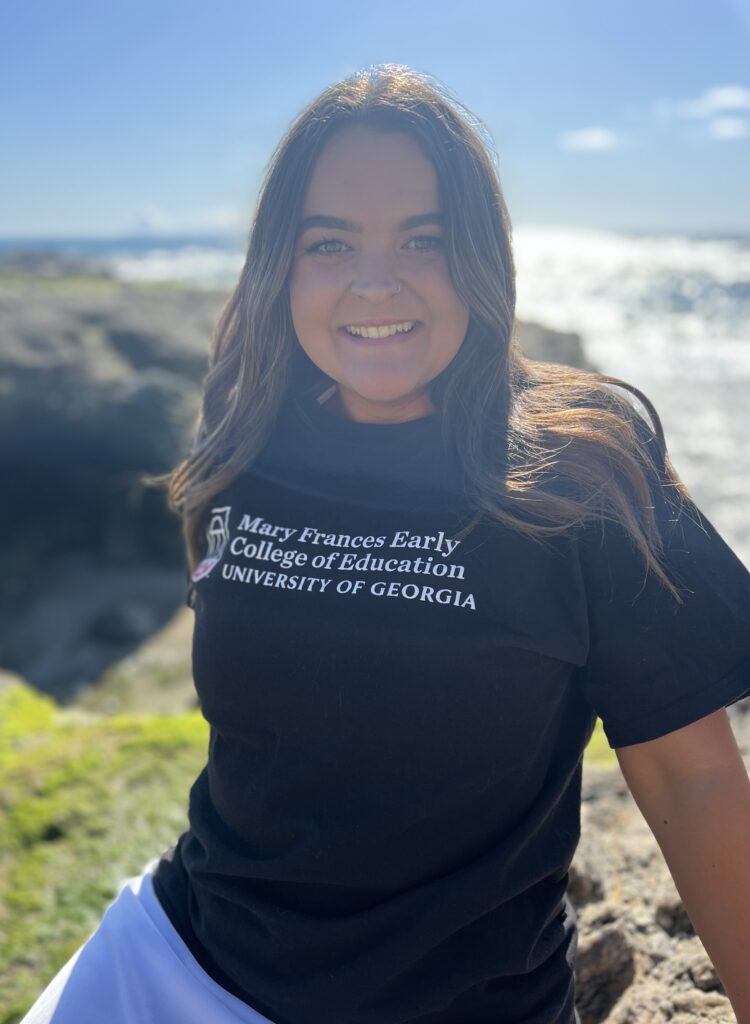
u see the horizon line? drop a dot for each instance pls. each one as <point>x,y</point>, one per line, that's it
<point>232,236</point>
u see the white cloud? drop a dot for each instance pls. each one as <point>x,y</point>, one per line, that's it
<point>715,101</point>
<point>588,139</point>
<point>729,128</point>
<point>719,107</point>
<point>718,100</point>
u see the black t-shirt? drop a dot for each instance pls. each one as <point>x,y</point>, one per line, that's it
<point>383,829</point>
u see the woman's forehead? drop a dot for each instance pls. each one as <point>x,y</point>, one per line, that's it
<point>361,169</point>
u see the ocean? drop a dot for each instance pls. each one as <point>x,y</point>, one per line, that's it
<point>665,312</point>
<point>669,314</point>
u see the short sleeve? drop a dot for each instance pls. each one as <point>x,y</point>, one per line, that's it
<point>654,665</point>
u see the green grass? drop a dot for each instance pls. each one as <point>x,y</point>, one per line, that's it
<point>598,751</point>
<point>85,802</point>
<point>74,284</point>
<point>64,284</point>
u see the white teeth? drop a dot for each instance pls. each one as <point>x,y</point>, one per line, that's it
<point>381,332</point>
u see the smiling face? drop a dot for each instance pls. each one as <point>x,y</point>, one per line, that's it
<point>370,252</point>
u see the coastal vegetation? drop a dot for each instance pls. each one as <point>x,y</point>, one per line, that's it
<point>85,801</point>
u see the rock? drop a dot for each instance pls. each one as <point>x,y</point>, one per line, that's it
<point>648,1005</point>
<point>542,343</point>
<point>690,1007</point>
<point>584,884</point>
<point>638,959</point>
<point>51,264</point>
<point>672,916</point>
<point>127,622</point>
<point>605,967</point>
<point>601,782</point>
<point>99,386</point>
<point>90,615</point>
<point>703,972</point>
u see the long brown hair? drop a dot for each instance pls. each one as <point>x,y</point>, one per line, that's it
<point>544,448</point>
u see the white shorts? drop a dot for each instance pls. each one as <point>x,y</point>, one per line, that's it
<point>135,969</point>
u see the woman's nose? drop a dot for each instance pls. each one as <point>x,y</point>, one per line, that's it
<point>375,281</point>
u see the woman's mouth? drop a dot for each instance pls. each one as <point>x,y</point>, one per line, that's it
<point>381,333</point>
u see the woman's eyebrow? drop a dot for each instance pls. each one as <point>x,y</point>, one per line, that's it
<point>319,220</point>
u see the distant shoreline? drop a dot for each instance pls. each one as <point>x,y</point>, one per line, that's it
<point>141,241</point>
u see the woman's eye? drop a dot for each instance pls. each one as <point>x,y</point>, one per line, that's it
<point>433,242</point>
<point>319,246</point>
<point>420,243</point>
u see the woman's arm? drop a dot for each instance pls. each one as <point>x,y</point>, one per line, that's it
<point>693,789</point>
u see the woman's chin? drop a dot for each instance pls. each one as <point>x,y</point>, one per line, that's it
<point>398,400</point>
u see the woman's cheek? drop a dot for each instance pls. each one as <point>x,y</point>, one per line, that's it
<point>320,281</point>
<point>432,272</point>
<point>312,293</point>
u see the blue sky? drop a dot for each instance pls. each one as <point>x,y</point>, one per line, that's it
<point>128,117</point>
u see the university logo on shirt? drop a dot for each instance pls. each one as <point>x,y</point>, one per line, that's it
<point>217,536</point>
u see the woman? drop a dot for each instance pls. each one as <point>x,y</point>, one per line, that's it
<point>421,565</point>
